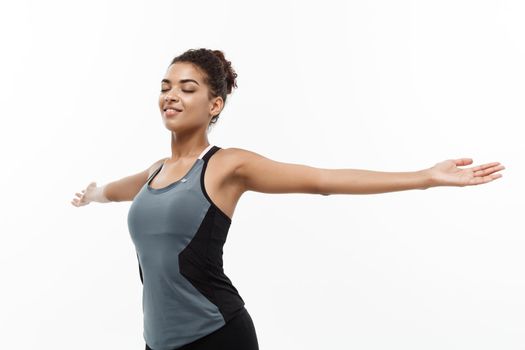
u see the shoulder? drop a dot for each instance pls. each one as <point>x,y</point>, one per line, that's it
<point>156,165</point>
<point>242,162</point>
<point>234,157</point>
<point>238,154</point>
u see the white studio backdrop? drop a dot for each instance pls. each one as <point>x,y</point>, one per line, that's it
<point>378,85</point>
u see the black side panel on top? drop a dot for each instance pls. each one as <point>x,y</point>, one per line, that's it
<point>140,270</point>
<point>201,263</point>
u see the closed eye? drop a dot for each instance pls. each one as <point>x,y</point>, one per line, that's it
<point>188,91</point>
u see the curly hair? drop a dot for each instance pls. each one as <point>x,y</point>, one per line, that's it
<point>219,74</point>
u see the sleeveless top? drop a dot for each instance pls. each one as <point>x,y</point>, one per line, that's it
<point>179,234</point>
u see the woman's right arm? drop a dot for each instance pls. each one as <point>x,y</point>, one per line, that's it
<point>124,189</point>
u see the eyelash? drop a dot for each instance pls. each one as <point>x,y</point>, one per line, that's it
<point>164,90</point>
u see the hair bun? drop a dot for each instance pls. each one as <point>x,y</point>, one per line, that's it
<point>229,72</point>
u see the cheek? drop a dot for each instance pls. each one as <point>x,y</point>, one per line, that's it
<point>198,102</point>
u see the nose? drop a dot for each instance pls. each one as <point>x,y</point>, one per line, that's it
<point>167,98</point>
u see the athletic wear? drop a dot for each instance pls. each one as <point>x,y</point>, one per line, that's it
<point>238,334</point>
<point>179,233</point>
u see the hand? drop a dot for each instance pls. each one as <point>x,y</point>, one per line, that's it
<point>447,173</point>
<point>85,197</point>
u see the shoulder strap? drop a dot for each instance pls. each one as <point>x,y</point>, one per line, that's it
<point>208,153</point>
<point>154,173</point>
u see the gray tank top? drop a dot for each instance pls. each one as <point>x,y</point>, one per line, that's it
<point>179,234</point>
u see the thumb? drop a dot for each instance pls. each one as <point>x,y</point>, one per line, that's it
<point>462,161</point>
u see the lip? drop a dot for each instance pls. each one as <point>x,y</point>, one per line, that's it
<point>171,112</point>
<point>172,107</point>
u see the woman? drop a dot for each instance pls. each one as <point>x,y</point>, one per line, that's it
<point>179,218</point>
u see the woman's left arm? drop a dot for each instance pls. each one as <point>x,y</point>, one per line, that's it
<point>261,174</point>
<point>445,173</point>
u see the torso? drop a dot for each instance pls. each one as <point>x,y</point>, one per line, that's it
<point>220,180</point>
<point>179,222</point>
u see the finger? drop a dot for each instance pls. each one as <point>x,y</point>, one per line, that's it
<point>462,161</point>
<point>484,179</point>
<point>484,166</point>
<point>488,171</point>
<point>490,178</point>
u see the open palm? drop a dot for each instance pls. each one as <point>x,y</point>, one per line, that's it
<point>447,173</point>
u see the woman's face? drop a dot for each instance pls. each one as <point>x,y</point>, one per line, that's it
<point>183,88</point>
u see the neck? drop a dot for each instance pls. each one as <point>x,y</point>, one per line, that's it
<point>191,147</point>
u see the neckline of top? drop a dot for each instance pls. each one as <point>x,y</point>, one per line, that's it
<point>167,187</point>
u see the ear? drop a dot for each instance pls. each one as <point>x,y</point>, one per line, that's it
<point>216,106</point>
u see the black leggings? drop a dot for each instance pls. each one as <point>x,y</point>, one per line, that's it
<point>237,334</point>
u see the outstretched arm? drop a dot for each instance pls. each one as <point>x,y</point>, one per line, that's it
<point>124,189</point>
<point>261,174</point>
<point>444,173</point>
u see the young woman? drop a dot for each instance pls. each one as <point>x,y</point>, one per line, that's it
<point>182,207</point>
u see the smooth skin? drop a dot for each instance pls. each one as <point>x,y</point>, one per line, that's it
<point>233,171</point>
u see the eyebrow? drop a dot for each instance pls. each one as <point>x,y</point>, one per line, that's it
<point>180,81</point>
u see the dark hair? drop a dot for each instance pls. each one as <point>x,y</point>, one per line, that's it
<point>219,74</point>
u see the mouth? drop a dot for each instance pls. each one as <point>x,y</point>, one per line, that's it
<point>171,111</point>
<point>172,108</point>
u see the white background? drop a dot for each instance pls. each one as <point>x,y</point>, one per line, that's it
<point>379,85</point>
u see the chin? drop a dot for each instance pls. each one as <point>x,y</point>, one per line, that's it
<point>172,125</point>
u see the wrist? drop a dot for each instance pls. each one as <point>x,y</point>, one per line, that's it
<point>427,179</point>
<point>100,196</point>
